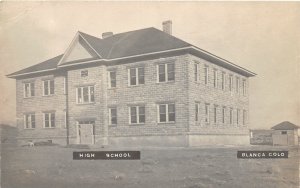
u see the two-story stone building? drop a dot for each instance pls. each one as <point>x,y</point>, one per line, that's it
<point>143,87</point>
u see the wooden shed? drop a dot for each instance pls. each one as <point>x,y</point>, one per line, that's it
<point>285,134</point>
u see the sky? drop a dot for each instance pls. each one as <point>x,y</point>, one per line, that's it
<point>260,36</point>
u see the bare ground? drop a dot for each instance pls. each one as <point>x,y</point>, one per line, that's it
<point>53,167</point>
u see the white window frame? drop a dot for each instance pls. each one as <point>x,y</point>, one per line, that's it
<point>231,83</point>
<point>244,87</point>
<point>223,80</point>
<point>29,115</point>
<point>231,116</point>
<point>50,121</point>
<point>206,75</point>
<point>206,111</point>
<point>137,114</point>
<point>49,87</point>
<point>244,117</point>
<point>237,89</point>
<point>167,112</point>
<point>30,93</point>
<point>196,72</point>
<point>89,94</point>
<point>109,116</point>
<point>109,79</point>
<point>166,72</point>
<point>223,114</point>
<point>137,75</point>
<point>197,111</point>
<point>215,114</point>
<point>237,116</point>
<point>215,78</point>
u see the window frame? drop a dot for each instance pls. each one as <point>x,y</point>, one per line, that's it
<point>138,73</point>
<point>244,117</point>
<point>110,79</point>
<point>27,116</point>
<point>110,116</point>
<point>206,74</point>
<point>31,89</point>
<point>207,113</point>
<point>166,112</point>
<point>231,116</point>
<point>197,111</point>
<point>215,82</point>
<point>166,72</point>
<point>230,83</point>
<point>137,108</point>
<point>215,114</point>
<point>223,84</point>
<point>49,82</point>
<point>237,85</point>
<point>52,124</point>
<point>196,71</point>
<point>238,116</point>
<point>89,94</point>
<point>244,87</point>
<point>223,114</point>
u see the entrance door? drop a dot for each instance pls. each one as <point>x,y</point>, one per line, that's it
<point>86,133</point>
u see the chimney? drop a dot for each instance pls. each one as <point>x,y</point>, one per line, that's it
<point>107,34</point>
<point>167,27</point>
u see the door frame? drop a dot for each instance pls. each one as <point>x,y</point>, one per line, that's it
<point>78,136</point>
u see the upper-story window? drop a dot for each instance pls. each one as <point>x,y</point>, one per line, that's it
<point>215,78</point>
<point>85,94</point>
<point>29,121</point>
<point>196,71</point>
<point>166,113</point>
<point>206,74</point>
<point>136,76</point>
<point>48,87</point>
<point>237,87</point>
<point>137,114</point>
<point>28,89</point>
<point>112,79</point>
<point>223,80</point>
<point>244,87</point>
<point>206,113</point>
<point>230,83</point>
<point>166,72</point>
<point>84,73</point>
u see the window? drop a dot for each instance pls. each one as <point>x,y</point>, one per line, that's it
<point>29,121</point>
<point>84,73</point>
<point>215,113</point>
<point>166,72</point>
<point>112,116</point>
<point>244,88</point>
<point>206,75</point>
<point>49,120</point>
<point>28,90</point>
<point>283,132</point>
<point>223,80</point>
<point>196,71</point>
<point>215,78</point>
<point>112,79</point>
<point>136,76</point>
<point>237,84</point>
<point>223,114</point>
<point>48,86</point>
<point>230,83</point>
<point>244,117</point>
<point>137,114</point>
<point>206,113</point>
<point>237,116</point>
<point>231,116</point>
<point>85,94</point>
<point>197,111</point>
<point>166,113</point>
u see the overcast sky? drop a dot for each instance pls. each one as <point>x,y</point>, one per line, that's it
<point>263,37</point>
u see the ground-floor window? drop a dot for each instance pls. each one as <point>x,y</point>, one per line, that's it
<point>137,114</point>
<point>206,113</point>
<point>197,111</point>
<point>112,116</point>
<point>29,121</point>
<point>49,120</point>
<point>166,113</point>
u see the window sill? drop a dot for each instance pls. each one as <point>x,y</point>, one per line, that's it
<point>164,123</point>
<point>166,82</point>
<point>49,127</point>
<point>28,97</point>
<point>136,124</point>
<point>29,128</point>
<point>48,95</point>
<point>89,103</point>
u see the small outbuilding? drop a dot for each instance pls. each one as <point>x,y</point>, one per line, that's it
<point>285,134</point>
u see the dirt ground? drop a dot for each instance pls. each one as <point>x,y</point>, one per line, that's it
<point>53,167</point>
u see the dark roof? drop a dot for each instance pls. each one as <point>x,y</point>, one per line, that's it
<point>45,65</point>
<point>122,45</point>
<point>286,125</point>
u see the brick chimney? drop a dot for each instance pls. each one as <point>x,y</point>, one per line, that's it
<point>107,34</point>
<point>167,27</point>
